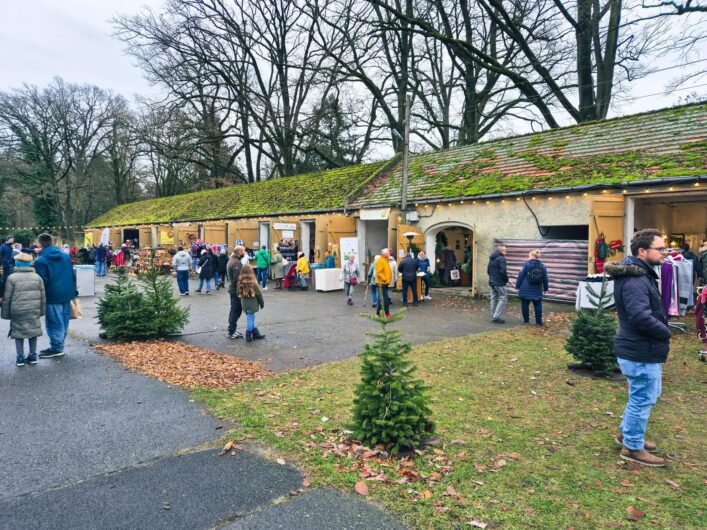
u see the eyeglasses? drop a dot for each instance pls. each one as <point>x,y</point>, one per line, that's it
<point>659,249</point>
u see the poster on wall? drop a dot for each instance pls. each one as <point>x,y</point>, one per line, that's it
<point>105,237</point>
<point>87,239</point>
<point>166,237</point>
<point>349,245</point>
<point>288,234</point>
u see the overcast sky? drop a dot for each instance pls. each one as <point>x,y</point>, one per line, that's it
<point>41,39</point>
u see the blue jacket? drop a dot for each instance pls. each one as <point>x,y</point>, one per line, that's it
<point>423,265</point>
<point>643,335</point>
<point>6,258</point>
<point>527,290</point>
<point>56,270</point>
<point>498,276</point>
<point>101,253</point>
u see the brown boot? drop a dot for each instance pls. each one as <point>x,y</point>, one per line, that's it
<point>642,457</point>
<point>649,446</point>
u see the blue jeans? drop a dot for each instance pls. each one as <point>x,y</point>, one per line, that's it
<point>537,307</point>
<point>374,294</point>
<point>57,324</point>
<point>644,388</point>
<point>100,268</point>
<point>262,276</point>
<point>194,263</point>
<point>183,281</point>
<point>249,321</point>
<point>215,279</point>
<point>208,283</point>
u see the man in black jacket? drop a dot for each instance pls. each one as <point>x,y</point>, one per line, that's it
<point>498,278</point>
<point>643,340</point>
<point>6,256</point>
<point>408,270</point>
<point>233,272</point>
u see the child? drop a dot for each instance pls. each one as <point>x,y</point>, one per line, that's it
<point>23,304</point>
<point>251,301</point>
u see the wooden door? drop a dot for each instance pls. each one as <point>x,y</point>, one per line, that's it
<point>606,216</point>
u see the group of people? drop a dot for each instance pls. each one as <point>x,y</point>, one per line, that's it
<point>36,283</point>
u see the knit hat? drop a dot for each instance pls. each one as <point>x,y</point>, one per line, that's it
<point>23,257</point>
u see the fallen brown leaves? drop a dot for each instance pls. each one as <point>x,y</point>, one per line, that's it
<point>181,364</point>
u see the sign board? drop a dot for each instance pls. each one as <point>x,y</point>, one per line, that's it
<point>374,214</point>
<point>285,226</point>
<point>349,245</point>
<point>166,237</point>
<point>288,234</point>
<point>87,239</point>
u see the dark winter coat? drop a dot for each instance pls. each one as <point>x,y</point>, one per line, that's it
<point>253,303</point>
<point>233,272</point>
<point>527,290</point>
<point>688,254</point>
<point>8,264</point>
<point>24,303</point>
<point>58,274</point>
<point>100,253</point>
<point>222,264</point>
<point>643,335</point>
<point>498,275</point>
<point>703,262</point>
<point>408,268</point>
<point>206,263</point>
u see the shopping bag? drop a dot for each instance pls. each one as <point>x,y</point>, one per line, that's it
<point>454,274</point>
<point>76,311</point>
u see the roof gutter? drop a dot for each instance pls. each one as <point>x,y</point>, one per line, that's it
<point>627,184</point>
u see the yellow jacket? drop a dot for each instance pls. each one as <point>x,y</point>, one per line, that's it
<point>302,266</point>
<point>384,275</point>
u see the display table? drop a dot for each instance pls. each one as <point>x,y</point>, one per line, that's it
<point>85,279</point>
<point>327,279</point>
<point>584,298</point>
<point>420,290</point>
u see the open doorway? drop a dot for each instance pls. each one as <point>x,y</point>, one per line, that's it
<point>450,247</point>
<point>132,235</point>
<point>308,234</point>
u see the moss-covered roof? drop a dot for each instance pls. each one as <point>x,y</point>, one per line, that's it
<point>665,143</point>
<point>326,190</point>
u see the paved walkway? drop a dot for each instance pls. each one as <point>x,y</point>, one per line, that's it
<point>85,443</point>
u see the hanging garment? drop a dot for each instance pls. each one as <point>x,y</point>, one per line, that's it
<point>666,285</point>
<point>674,310</point>
<point>700,308</point>
<point>685,284</point>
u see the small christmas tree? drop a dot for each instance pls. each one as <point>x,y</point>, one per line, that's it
<point>390,406</point>
<point>126,313</point>
<point>167,316</point>
<point>123,312</point>
<point>593,332</point>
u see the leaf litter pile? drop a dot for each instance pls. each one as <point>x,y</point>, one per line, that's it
<point>181,364</point>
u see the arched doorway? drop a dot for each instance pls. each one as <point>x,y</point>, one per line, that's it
<point>449,245</point>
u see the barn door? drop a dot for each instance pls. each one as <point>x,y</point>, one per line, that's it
<point>606,216</point>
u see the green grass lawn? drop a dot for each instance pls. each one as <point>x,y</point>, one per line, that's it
<point>524,442</point>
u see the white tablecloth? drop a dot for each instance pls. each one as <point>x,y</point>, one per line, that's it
<point>327,280</point>
<point>583,296</point>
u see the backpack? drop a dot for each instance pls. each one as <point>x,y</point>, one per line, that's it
<point>535,274</point>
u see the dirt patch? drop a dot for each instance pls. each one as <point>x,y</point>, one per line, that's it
<point>181,364</point>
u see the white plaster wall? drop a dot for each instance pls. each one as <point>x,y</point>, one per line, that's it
<point>507,219</point>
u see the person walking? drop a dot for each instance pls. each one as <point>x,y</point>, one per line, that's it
<point>278,267</point>
<point>24,302</point>
<point>233,272</point>
<point>252,300</point>
<point>6,253</point>
<point>182,267</point>
<point>642,342</point>
<point>703,261</point>
<point>262,264</point>
<point>384,277</point>
<point>532,282</point>
<point>408,270</point>
<point>372,281</point>
<point>206,271</point>
<point>394,274</point>
<point>498,278</point>
<point>351,276</point>
<point>55,269</point>
<point>222,261</point>
<point>101,260</point>
<point>302,270</point>
<point>423,265</point>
